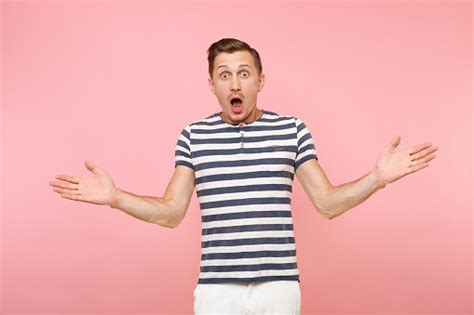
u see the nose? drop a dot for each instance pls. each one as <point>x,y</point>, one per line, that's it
<point>235,84</point>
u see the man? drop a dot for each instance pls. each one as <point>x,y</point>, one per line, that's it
<point>242,161</point>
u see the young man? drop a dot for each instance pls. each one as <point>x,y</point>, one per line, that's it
<point>242,161</point>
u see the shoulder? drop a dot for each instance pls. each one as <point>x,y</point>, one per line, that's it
<point>272,116</point>
<point>200,124</point>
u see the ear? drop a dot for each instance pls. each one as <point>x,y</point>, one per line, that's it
<point>211,85</point>
<point>261,82</point>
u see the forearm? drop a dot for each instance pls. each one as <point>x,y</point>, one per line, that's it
<point>346,196</point>
<point>149,209</point>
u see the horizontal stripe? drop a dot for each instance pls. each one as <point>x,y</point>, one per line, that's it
<point>248,228</point>
<point>242,274</point>
<point>256,174</point>
<point>245,215</point>
<point>236,163</point>
<point>242,182</point>
<point>280,233</point>
<point>247,248</point>
<point>249,241</point>
<point>244,209</point>
<point>247,221</point>
<point>248,201</point>
<point>202,280</point>
<point>288,124</point>
<point>248,138</point>
<point>227,190</point>
<point>223,151</point>
<point>248,267</point>
<point>248,261</point>
<point>243,255</point>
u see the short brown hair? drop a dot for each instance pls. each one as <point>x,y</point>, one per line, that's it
<point>230,45</point>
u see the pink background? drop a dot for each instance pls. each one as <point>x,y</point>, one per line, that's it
<point>116,82</point>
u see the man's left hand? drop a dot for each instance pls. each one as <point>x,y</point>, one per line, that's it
<point>392,166</point>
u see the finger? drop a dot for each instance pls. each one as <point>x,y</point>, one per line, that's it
<point>419,147</point>
<point>71,179</point>
<point>428,158</point>
<point>63,184</point>
<point>417,167</point>
<point>423,153</point>
<point>66,191</point>
<point>93,168</point>
<point>73,197</point>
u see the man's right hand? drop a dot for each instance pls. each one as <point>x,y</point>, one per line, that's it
<point>98,189</point>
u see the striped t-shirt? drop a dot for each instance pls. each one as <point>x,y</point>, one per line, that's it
<point>243,179</point>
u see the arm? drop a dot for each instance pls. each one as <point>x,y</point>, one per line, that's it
<point>167,211</point>
<point>333,201</point>
<point>101,190</point>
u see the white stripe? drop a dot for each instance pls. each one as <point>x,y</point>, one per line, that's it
<point>246,235</point>
<point>248,248</point>
<point>246,208</point>
<point>260,144</point>
<point>247,221</point>
<point>243,182</point>
<point>248,261</point>
<point>246,157</point>
<point>249,274</point>
<point>244,169</point>
<point>246,195</point>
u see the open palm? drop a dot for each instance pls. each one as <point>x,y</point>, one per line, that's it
<point>392,166</point>
<point>98,189</point>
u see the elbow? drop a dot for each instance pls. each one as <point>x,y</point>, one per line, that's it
<point>326,214</point>
<point>174,220</point>
<point>322,204</point>
<point>323,212</point>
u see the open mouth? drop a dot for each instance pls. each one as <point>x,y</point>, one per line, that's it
<point>236,101</point>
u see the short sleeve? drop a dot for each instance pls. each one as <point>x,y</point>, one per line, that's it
<point>182,155</point>
<point>305,146</point>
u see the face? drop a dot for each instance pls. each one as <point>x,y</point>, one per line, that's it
<point>235,75</point>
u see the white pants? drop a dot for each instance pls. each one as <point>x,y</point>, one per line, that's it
<point>282,297</point>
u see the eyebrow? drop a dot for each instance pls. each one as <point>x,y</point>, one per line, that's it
<point>244,65</point>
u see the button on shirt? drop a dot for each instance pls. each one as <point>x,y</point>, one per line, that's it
<point>243,178</point>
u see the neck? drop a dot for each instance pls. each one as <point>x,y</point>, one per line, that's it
<point>254,115</point>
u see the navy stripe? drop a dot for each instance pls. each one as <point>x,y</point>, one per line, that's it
<point>236,189</point>
<point>246,201</point>
<point>259,174</point>
<point>247,280</point>
<point>220,123</point>
<point>303,139</point>
<point>300,127</point>
<point>306,147</point>
<point>249,241</point>
<point>183,144</point>
<point>246,215</point>
<point>247,138</point>
<point>248,267</point>
<point>240,255</point>
<point>306,158</point>
<point>217,152</point>
<point>184,163</point>
<point>185,133</point>
<point>271,161</point>
<point>247,228</point>
<point>244,128</point>
<point>181,153</point>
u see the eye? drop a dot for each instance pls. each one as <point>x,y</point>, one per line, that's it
<point>224,75</point>
<point>244,72</point>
